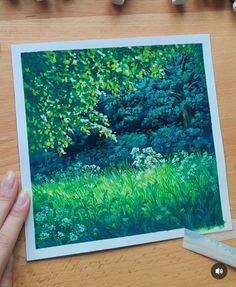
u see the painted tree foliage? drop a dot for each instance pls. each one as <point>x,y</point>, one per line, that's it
<point>64,92</point>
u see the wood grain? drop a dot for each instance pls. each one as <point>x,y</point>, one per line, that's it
<point>161,264</point>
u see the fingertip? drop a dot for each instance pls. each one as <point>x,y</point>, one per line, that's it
<point>23,199</point>
<point>21,206</point>
<point>9,185</point>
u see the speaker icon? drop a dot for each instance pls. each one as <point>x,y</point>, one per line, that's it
<point>219,270</point>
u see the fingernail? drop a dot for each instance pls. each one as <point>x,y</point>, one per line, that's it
<point>8,181</point>
<point>21,199</point>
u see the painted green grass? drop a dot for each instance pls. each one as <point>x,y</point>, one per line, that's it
<point>125,201</point>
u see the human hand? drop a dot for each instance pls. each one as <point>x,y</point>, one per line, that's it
<point>14,208</point>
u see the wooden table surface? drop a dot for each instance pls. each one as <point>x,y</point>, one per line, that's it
<point>161,264</point>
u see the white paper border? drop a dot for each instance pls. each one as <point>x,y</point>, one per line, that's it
<point>32,252</point>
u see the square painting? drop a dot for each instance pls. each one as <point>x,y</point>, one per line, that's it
<point>119,141</point>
